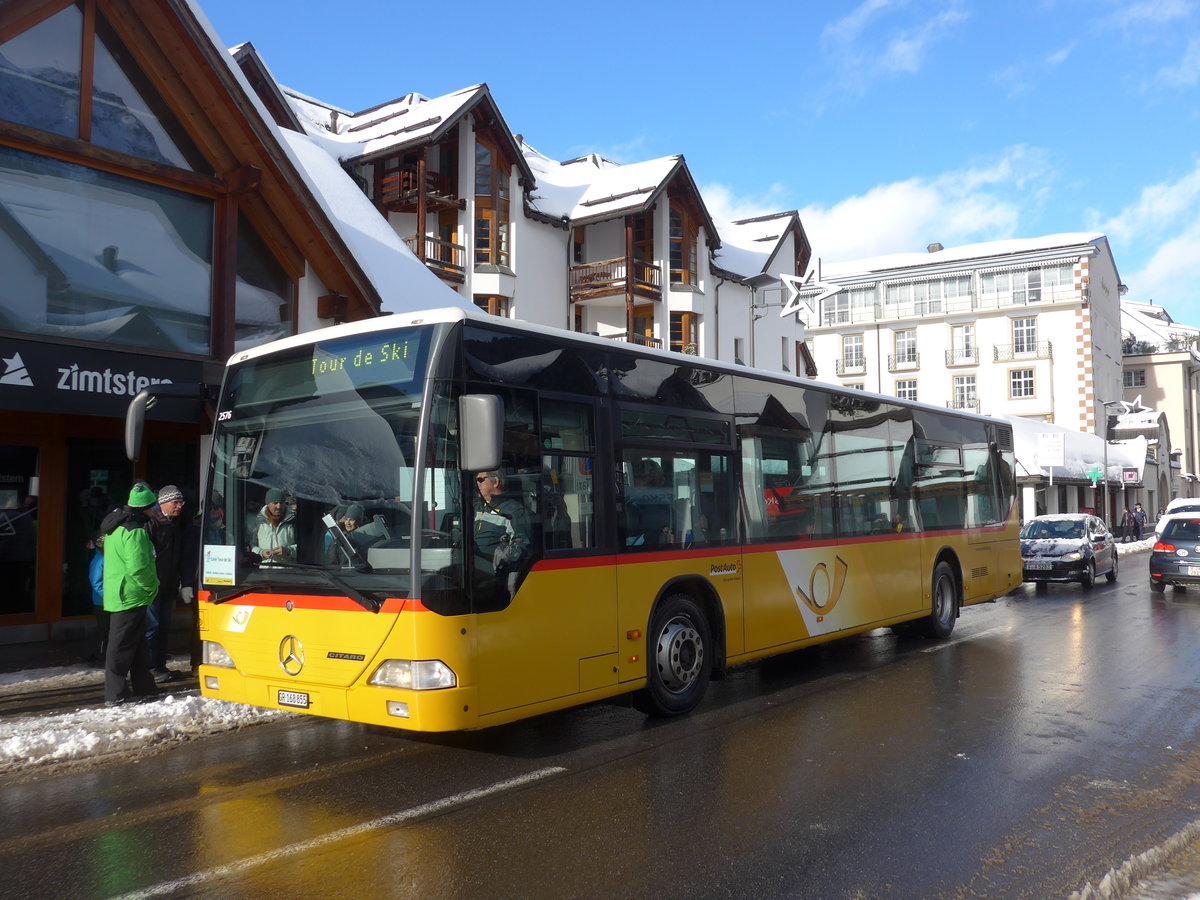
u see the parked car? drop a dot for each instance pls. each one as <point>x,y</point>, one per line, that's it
<point>1179,506</point>
<point>1175,558</point>
<point>1068,547</point>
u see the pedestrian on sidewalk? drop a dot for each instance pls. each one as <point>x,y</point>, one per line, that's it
<point>166,530</point>
<point>130,586</point>
<point>1128,526</point>
<point>1139,518</point>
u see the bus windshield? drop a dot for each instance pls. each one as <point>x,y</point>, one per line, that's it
<point>314,469</point>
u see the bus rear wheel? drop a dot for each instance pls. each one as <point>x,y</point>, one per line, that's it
<point>940,621</point>
<point>678,658</point>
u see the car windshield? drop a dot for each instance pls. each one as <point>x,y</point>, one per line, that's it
<point>1046,531</point>
<point>1182,530</point>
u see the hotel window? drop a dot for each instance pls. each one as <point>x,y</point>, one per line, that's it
<point>906,346</point>
<point>1134,378</point>
<point>491,206</point>
<point>495,306</point>
<point>964,392</point>
<point>906,389</point>
<point>1024,334</point>
<point>851,305</point>
<point>685,332</point>
<point>684,237</point>
<point>1020,383</point>
<point>852,349</point>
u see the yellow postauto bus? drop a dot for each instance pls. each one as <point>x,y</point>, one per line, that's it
<point>444,521</point>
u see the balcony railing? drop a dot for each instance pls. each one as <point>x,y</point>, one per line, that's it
<point>962,356</point>
<point>968,403</point>
<point>903,362</point>
<point>838,311</point>
<point>607,277</point>
<point>401,187</point>
<point>444,258</point>
<point>851,365</point>
<point>1028,350</point>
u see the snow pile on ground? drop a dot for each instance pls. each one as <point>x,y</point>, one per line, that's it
<point>129,729</point>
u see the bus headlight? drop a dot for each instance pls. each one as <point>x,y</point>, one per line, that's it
<point>414,674</point>
<point>216,655</point>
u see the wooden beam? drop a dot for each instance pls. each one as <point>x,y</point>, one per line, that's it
<point>18,16</point>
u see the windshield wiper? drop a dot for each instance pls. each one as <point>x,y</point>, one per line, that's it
<point>366,601</point>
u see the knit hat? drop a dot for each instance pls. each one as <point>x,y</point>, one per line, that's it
<point>356,512</point>
<point>141,497</point>
<point>169,493</point>
<point>274,495</point>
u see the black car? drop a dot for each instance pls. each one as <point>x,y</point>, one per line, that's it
<point>1069,547</point>
<point>1175,558</point>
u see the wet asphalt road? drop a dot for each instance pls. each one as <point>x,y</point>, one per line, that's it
<point>1051,738</point>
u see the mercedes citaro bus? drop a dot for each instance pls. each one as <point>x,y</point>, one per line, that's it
<point>669,517</point>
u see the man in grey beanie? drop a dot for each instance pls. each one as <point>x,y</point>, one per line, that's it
<point>166,529</point>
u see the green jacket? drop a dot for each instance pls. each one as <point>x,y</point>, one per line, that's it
<point>130,579</point>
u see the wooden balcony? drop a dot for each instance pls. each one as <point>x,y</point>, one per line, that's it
<point>444,259</point>
<point>400,188</point>
<point>607,277</point>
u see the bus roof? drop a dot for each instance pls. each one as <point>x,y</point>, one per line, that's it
<point>460,314</point>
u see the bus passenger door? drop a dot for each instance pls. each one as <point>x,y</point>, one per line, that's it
<point>554,634</point>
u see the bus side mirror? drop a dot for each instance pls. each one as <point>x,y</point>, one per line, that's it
<point>480,432</point>
<point>135,415</point>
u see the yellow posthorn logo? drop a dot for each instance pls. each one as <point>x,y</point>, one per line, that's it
<point>831,593</point>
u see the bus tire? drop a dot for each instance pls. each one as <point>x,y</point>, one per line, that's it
<point>940,621</point>
<point>678,658</point>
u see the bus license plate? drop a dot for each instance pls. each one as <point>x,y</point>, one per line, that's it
<point>1038,564</point>
<point>293,698</point>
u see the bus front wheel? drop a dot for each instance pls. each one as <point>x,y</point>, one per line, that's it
<point>678,658</point>
<point>940,621</point>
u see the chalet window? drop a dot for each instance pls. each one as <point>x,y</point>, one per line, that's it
<point>685,332</point>
<point>493,305</point>
<point>491,206</point>
<point>577,245</point>
<point>43,69</point>
<point>643,237</point>
<point>101,257</point>
<point>1134,378</point>
<point>684,236</point>
<point>906,389</point>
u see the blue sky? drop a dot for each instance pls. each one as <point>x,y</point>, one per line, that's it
<point>888,123</point>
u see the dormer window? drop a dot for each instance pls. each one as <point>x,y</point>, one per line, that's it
<point>685,233</point>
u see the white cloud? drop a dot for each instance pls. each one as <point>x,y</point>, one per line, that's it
<point>860,52</point>
<point>1184,73</point>
<point>973,204</point>
<point>1152,12</point>
<point>725,206</point>
<point>1163,227</point>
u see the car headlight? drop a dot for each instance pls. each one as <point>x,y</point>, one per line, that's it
<point>1073,556</point>
<point>215,655</point>
<point>414,675</point>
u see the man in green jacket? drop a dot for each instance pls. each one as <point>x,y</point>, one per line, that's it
<point>130,586</point>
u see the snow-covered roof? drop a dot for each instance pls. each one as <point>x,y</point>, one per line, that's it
<point>400,280</point>
<point>1081,452</point>
<point>592,188</point>
<point>968,252</point>
<point>749,245</point>
<point>1152,325</point>
<point>411,119</point>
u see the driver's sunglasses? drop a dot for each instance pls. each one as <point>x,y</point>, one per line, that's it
<point>481,478</point>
